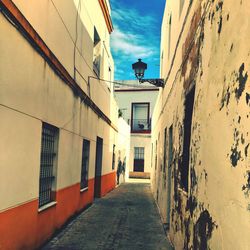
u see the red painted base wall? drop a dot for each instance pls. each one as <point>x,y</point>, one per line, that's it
<point>108,183</point>
<point>23,227</point>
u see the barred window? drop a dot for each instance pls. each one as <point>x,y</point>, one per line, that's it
<point>47,162</point>
<point>85,164</point>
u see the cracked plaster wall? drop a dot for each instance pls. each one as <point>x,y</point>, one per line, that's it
<point>213,54</point>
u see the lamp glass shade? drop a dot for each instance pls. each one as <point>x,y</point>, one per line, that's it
<point>139,68</point>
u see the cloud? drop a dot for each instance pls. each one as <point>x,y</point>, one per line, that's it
<point>130,45</point>
<point>132,17</point>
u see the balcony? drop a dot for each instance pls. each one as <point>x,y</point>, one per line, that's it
<point>141,126</point>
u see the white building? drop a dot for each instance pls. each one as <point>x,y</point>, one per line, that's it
<point>59,122</point>
<point>136,103</point>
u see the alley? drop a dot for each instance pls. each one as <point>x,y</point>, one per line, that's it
<point>127,218</point>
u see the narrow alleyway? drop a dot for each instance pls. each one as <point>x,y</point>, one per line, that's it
<point>126,218</point>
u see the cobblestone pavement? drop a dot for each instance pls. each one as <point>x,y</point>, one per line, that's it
<point>127,218</point>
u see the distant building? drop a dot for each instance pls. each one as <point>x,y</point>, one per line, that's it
<point>136,103</point>
<point>201,125</point>
<point>59,122</point>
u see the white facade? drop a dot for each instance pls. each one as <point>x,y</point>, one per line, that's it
<point>136,103</point>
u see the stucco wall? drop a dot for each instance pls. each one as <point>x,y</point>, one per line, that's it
<point>212,53</point>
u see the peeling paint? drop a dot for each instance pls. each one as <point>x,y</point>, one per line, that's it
<point>192,204</point>
<point>242,79</point>
<point>247,98</point>
<point>225,98</point>
<point>246,187</point>
<point>203,231</point>
<point>246,149</point>
<point>235,152</point>
<point>220,25</point>
<point>235,156</point>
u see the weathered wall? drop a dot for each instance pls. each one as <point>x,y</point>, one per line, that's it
<point>212,55</point>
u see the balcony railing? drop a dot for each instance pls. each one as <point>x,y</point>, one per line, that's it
<point>140,125</point>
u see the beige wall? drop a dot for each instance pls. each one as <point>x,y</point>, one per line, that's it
<point>20,147</point>
<point>211,55</point>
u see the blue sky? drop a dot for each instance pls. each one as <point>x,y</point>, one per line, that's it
<point>137,28</point>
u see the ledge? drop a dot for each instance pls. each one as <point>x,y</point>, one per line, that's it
<point>47,206</point>
<point>84,189</point>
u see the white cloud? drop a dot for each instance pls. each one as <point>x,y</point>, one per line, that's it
<point>130,45</point>
<point>133,18</point>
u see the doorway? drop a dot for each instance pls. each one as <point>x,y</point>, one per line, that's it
<point>169,173</point>
<point>138,159</point>
<point>98,167</point>
<point>189,106</point>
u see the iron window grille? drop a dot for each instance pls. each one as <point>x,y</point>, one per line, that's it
<point>85,164</point>
<point>47,162</point>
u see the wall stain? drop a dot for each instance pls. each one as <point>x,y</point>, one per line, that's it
<point>231,48</point>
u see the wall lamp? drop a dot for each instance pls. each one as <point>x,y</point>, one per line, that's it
<point>139,68</point>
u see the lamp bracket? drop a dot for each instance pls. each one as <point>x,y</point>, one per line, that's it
<point>157,82</point>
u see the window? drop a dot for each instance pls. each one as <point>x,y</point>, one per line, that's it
<point>85,164</point>
<point>181,7</point>
<point>189,104</point>
<point>169,180</point>
<point>170,146</point>
<point>139,153</point>
<point>140,117</point>
<point>138,159</point>
<point>113,158</point>
<point>47,163</point>
<point>165,150</point>
<point>169,35</point>
<point>97,53</point>
<point>156,152</point>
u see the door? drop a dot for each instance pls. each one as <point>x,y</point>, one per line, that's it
<point>169,173</point>
<point>98,167</point>
<point>138,159</point>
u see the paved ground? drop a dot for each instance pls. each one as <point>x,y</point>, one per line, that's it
<point>127,218</point>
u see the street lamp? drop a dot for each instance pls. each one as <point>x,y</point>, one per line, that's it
<point>139,68</point>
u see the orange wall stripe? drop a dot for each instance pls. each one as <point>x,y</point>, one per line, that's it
<point>36,41</point>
